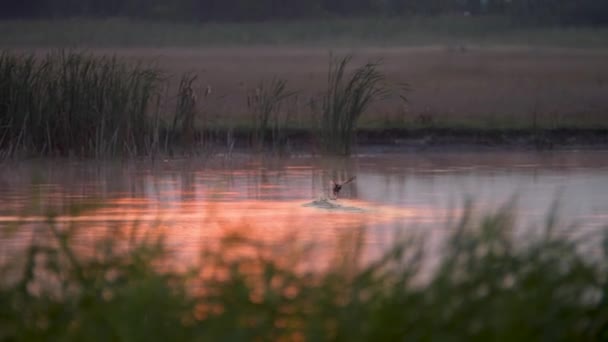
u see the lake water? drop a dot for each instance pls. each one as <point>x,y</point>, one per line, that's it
<point>196,201</point>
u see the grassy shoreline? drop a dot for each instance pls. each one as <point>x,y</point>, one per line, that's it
<point>381,32</point>
<point>411,139</point>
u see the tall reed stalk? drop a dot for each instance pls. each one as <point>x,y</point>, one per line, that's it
<point>264,104</point>
<point>347,97</point>
<point>185,111</point>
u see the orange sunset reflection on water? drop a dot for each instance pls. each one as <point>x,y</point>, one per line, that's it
<point>192,225</point>
<point>195,204</point>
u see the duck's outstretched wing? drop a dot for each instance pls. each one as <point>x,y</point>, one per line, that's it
<point>349,180</point>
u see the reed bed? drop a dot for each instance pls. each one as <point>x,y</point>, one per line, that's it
<point>266,105</point>
<point>78,104</point>
<point>72,103</point>
<point>488,285</point>
<point>186,109</point>
<point>346,98</point>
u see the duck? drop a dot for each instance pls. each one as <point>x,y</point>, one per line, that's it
<point>338,186</point>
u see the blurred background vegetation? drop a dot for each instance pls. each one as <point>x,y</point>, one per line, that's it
<point>529,12</point>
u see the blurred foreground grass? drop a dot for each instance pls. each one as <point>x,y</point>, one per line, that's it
<point>487,287</point>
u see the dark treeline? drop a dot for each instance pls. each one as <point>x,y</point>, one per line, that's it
<point>561,12</point>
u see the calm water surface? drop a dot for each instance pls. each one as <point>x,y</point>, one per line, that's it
<point>195,202</point>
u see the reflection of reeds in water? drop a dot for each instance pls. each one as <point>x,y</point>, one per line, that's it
<point>487,285</point>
